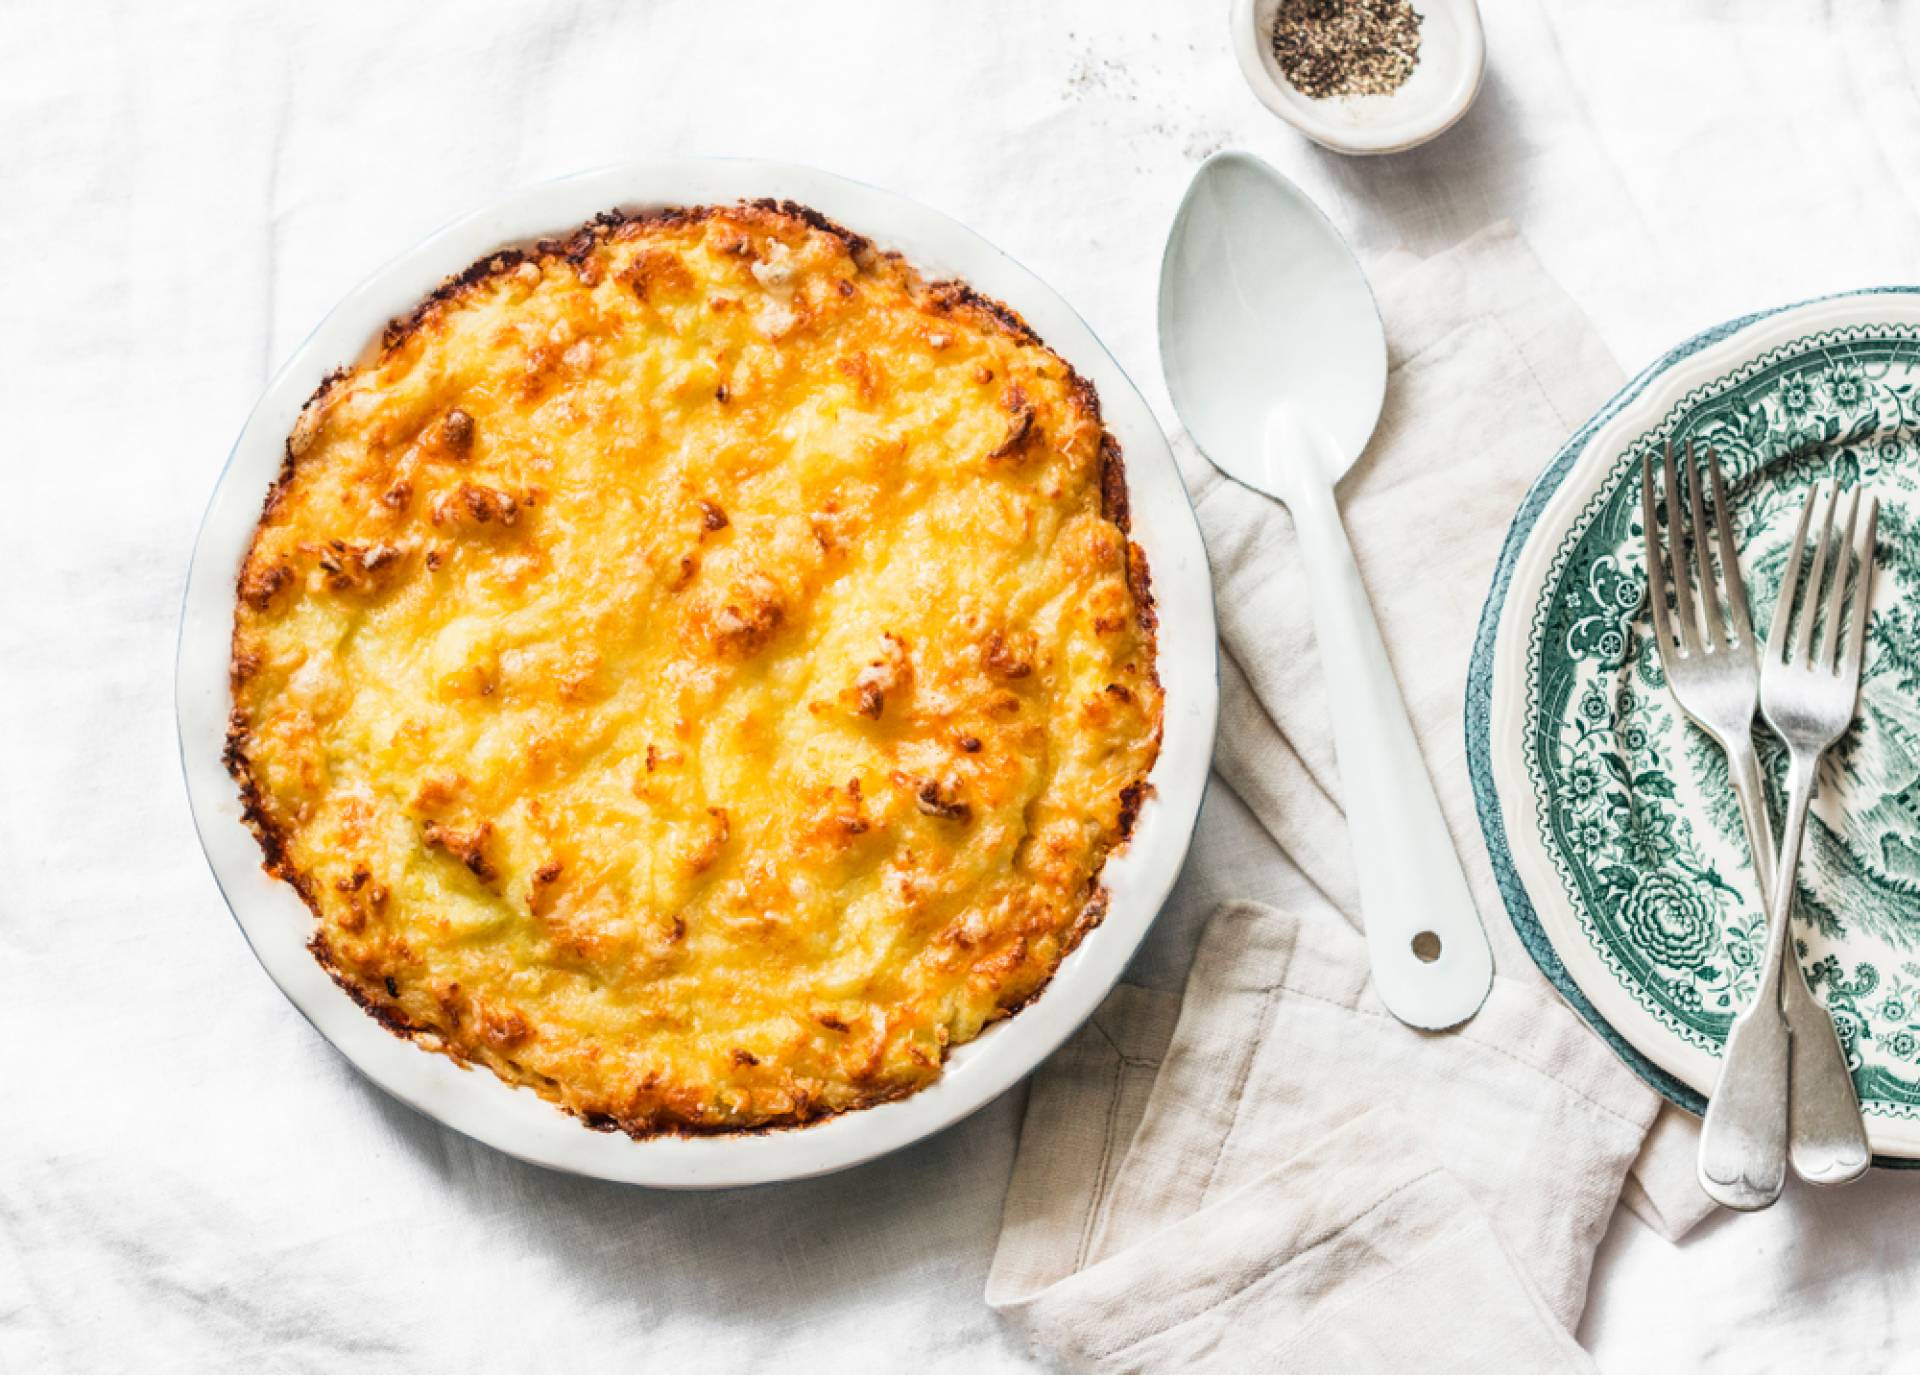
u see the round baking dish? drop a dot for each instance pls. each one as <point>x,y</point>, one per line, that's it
<point>518,1121</point>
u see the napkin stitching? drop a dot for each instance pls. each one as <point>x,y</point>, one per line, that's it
<point>1526,360</point>
<point>1097,1199</point>
<point>1240,1078</point>
<point>1342,1303</point>
<point>1277,1263</point>
<point>1097,1196</point>
<point>1131,1061</point>
<point>1473,1039</point>
<point>1408,360</point>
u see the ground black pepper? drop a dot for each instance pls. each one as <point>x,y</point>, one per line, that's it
<point>1346,47</point>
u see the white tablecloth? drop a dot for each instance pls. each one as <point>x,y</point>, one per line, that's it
<point>189,1178</point>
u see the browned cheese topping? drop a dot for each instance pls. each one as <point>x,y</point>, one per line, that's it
<point>697,670</point>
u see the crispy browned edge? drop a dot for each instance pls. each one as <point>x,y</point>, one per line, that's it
<point>946,296</point>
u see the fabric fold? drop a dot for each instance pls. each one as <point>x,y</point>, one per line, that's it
<point>1265,1277</point>
<point>1300,1151</point>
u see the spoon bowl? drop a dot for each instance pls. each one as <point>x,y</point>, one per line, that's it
<point>1261,302</point>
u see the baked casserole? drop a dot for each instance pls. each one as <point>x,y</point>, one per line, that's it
<point>697,669</point>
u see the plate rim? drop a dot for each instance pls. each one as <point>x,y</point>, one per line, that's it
<point>1481,695</point>
<point>515,1120</point>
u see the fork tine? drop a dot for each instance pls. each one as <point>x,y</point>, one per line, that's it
<point>1656,556</point>
<point>1816,577</point>
<point>1862,593</point>
<point>1677,553</point>
<point>1837,583</point>
<point>1715,631</point>
<point>1736,588</point>
<point>1783,608</point>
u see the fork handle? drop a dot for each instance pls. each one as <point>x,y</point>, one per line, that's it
<point>1826,1135</point>
<point>1432,966</point>
<point>1743,1141</point>
<point>1826,1138</point>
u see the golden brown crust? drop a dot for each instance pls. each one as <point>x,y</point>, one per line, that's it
<point>363,935</point>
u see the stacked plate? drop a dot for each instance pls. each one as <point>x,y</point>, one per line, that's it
<point>1611,824</point>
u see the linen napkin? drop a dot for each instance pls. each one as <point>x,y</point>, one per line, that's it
<point>1296,1181</point>
<point>1272,1171</point>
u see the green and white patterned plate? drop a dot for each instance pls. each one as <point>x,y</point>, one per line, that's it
<point>1613,831</point>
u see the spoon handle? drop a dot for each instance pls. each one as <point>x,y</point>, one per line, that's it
<point>1431,962</point>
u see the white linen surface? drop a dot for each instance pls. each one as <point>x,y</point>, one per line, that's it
<point>192,1180</point>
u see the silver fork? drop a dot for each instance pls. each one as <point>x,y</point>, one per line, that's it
<point>1715,677</point>
<point>1809,701</point>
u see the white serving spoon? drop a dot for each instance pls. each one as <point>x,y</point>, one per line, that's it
<point>1277,363</point>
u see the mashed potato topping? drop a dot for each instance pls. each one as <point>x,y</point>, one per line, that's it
<point>697,669</point>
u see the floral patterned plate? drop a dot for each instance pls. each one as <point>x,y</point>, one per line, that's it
<point>1612,828</point>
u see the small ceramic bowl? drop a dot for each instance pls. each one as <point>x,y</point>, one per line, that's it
<point>1453,54</point>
